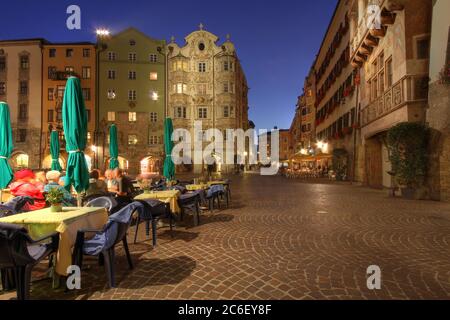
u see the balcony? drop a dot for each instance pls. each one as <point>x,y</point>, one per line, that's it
<point>62,75</point>
<point>409,90</point>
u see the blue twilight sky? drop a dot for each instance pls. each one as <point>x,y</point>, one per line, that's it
<point>276,41</point>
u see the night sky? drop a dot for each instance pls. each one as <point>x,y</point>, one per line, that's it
<point>276,42</point>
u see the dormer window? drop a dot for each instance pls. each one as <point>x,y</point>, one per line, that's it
<point>132,42</point>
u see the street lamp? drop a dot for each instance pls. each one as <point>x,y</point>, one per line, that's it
<point>102,32</point>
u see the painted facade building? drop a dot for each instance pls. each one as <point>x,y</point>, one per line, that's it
<point>21,88</point>
<point>206,83</point>
<point>336,94</point>
<point>438,114</point>
<point>390,52</point>
<point>132,94</point>
<point>61,60</point>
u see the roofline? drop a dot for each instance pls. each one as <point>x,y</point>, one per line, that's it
<point>41,40</point>
<point>326,32</point>
<point>140,32</point>
<point>55,44</point>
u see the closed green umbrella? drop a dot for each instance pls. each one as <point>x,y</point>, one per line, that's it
<point>75,131</point>
<point>6,147</point>
<point>113,148</point>
<point>169,166</point>
<point>54,150</point>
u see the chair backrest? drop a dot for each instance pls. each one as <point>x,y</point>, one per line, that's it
<point>215,189</point>
<point>118,223</point>
<point>102,202</point>
<point>152,208</point>
<point>180,188</point>
<point>6,211</point>
<point>13,246</point>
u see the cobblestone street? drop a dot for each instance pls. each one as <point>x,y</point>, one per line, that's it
<point>284,239</point>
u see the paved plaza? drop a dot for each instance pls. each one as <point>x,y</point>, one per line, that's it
<point>285,239</point>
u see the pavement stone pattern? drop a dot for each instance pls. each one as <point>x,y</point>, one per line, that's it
<point>285,239</point>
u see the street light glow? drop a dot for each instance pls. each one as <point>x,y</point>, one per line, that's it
<point>102,32</point>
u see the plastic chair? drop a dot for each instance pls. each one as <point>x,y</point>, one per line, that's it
<point>19,254</point>
<point>214,193</point>
<point>103,202</point>
<point>104,241</point>
<point>191,202</point>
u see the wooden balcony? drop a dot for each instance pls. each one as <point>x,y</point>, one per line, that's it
<point>409,90</point>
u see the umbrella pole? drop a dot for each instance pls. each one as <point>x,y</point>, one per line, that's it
<point>79,200</point>
<point>1,196</point>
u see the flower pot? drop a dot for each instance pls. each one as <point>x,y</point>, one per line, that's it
<point>56,208</point>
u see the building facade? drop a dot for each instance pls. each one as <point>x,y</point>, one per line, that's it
<point>308,112</point>
<point>336,95</point>
<point>438,115</point>
<point>132,94</point>
<point>295,130</point>
<point>206,83</point>
<point>60,61</point>
<point>21,88</point>
<point>390,52</point>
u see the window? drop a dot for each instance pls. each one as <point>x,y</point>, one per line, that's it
<point>2,63</point>
<point>154,95</point>
<point>389,73</point>
<point>377,82</point>
<point>423,48</point>
<point>226,111</point>
<point>131,75</point>
<point>86,53</point>
<point>23,87</point>
<point>131,95</point>
<point>111,116</point>
<point>202,67</point>
<point>201,46</point>
<point>111,56</point>
<point>86,94</point>
<point>50,94</point>
<point>153,76</point>
<point>132,140</point>
<point>153,117</point>
<point>69,53</point>
<point>86,72</point>
<point>23,112</point>
<point>50,115</point>
<point>24,62</point>
<point>153,140</point>
<point>201,88</point>
<point>132,42</point>
<point>132,57</point>
<point>202,113</point>
<point>51,72</point>
<point>111,94</point>
<point>180,65</point>
<point>88,114</point>
<point>153,58</point>
<point>226,66</point>
<point>132,116</point>
<point>58,114</point>
<point>226,87</point>
<point>60,91</point>
<point>180,88</point>
<point>180,112</point>
<point>21,135</point>
<point>2,88</point>
<point>111,74</point>
<point>69,70</point>
<point>52,53</point>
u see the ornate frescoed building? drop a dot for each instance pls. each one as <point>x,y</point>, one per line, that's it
<point>206,83</point>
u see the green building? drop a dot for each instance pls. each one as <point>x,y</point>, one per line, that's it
<point>131,94</point>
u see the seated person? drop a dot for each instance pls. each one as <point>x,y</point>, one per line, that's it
<point>53,178</point>
<point>124,184</point>
<point>40,180</point>
<point>23,186</point>
<point>96,186</point>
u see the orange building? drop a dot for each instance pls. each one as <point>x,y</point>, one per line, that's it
<point>61,60</point>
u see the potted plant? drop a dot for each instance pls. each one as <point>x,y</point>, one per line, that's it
<point>340,158</point>
<point>55,198</point>
<point>407,143</point>
<point>145,184</point>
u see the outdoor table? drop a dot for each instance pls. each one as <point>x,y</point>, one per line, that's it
<point>222,182</point>
<point>196,187</point>
<point>67,223</point>
<point>167,196</point>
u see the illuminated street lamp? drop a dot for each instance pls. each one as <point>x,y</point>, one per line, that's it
<point>102,32</point>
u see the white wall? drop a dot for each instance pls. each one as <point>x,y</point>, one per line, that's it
<point>439,37</point>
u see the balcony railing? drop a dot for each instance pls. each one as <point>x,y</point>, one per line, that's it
<point>410,89</point>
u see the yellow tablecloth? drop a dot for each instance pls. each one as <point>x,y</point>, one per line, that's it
<point>6,195</point>
<point>168,196</point>
<point>196,187</point>
<point>67,223</point>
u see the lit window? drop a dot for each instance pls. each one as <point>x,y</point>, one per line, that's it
<point>132,139</point>
<point>111,116</point>
<point>132,116</point>
<point>111,94</point>
<point>86,72</point>
<point>181,88</point>
<point>24,62</point>
<point>154,76</point>
<point>154,95</point>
